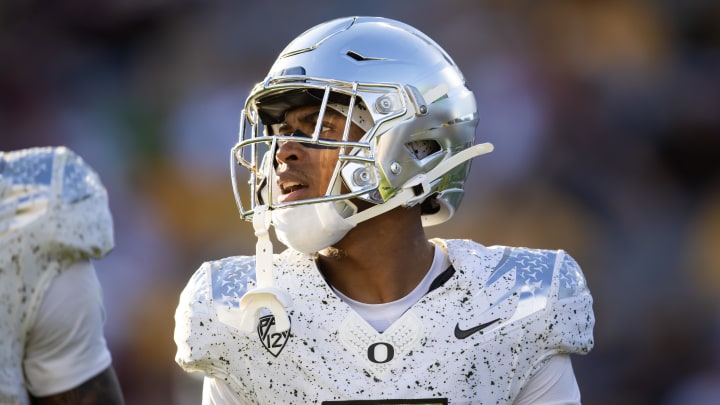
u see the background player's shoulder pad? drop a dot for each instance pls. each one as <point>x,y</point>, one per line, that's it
<point>84,199</point>
<point>58,199</point>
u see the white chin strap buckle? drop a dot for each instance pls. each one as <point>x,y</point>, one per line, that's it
<point>265,295</point>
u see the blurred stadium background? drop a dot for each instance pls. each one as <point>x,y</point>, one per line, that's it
<point>605,115</point>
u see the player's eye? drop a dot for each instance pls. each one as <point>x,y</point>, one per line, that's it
<point>284,129</point>
<point>324,126</point>
<point>300,134</point>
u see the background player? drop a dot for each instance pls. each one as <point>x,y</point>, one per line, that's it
<point>54,218</point>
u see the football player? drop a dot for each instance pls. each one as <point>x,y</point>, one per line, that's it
<point>54,217</point>
<point>360,136</point>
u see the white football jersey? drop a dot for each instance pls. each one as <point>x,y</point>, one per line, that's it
<point>486,326</point>
<point>53,213</point>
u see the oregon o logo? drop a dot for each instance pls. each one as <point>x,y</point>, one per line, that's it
<point>381,352</point>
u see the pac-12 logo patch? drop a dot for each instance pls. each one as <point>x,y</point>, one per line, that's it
<point>273,341</point>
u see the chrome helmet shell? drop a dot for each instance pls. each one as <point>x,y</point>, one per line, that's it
<point>398,85</point>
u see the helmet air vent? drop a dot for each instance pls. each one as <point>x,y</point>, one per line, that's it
<point>361,58</point>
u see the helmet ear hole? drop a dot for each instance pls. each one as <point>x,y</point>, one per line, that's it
<point>430,205</point>
<point>424,148</point>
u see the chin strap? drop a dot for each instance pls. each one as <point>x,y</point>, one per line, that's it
<point>407,194</point>
<point>265,295</point>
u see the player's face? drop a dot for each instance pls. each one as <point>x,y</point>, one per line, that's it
<point>304,171</point>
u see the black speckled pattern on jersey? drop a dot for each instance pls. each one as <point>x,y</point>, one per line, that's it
<point>538,297</point>
<point>53,211</point>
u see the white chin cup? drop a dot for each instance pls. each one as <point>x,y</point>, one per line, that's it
<point>311,227</point>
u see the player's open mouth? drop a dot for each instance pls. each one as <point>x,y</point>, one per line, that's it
<point>290,191</point>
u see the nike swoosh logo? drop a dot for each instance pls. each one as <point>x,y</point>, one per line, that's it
<point>462,334</point>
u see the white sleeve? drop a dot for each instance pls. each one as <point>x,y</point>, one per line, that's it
<point>66,345</point>
<point>216,392</point>
<point>553,384</point>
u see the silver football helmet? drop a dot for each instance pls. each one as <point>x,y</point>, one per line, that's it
<point>394,82</point>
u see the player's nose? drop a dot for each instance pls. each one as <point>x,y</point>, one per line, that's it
<point>289,151</point>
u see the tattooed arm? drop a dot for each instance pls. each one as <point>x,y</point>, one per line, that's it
<point>103,389</point>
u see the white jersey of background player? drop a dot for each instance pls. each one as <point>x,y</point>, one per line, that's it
<point>362,307</point>
<point>54,217</point>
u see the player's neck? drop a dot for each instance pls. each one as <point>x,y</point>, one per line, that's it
<point>380,260</point>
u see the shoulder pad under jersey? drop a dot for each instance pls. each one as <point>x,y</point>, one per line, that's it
<point>552,297</point>
<point>212,293</point>
<point>543,290</point>
<point>230,279</point>
<point>53,201</point>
